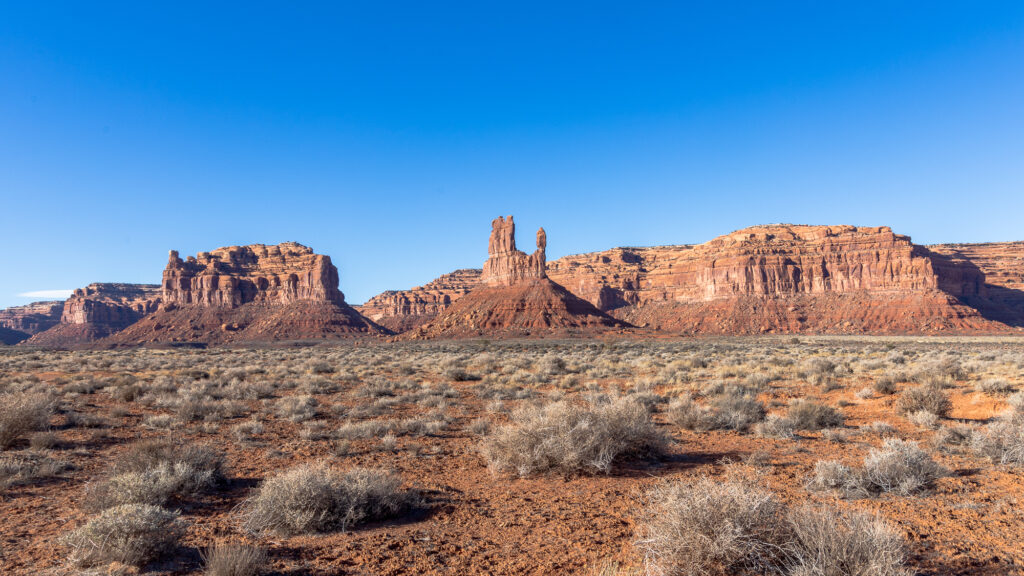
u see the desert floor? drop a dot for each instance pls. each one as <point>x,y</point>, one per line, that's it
<point>432,414</point>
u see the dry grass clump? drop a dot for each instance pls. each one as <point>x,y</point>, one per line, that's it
<point>713,528</point>
<point>710,528</point>
<point>19,468</point>
<point>927,398</point>
<point>151,472</point>
<point>832,543</point>
<point>994,386</point>
<point>315,498</point>
<point>21,413</point>
<point>899,467</point>
<point>297,408</point>
<point>132,534</point>
<point>733,409</point>
<point>572,438</point>
<point>1002,442</point>
<point>811,415</point>
<point>229,559</point>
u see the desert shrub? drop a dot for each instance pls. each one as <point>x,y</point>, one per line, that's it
<point>924,419</point>
<point>44,440</point>
<point>731,409</point>
<point>1002,441</point>
<point>827,542</point>
<point>21,413</point>
<point>886,383</point>
<point>899,466</point>
<point>226,559</point>
<point>994,386</point>
<point>153,486</point>
<point>710,528</point>
<point>834,475</point>
<point>927,398</point>
<point>713,528</point>
<point>19,468</point>
<point>296,408</point>
<point>132,534</point>
<point>571,438</point>
<point>811,415</point>
<point>315,498</point>
<point>153,471</point>
<point>775,426</point>
<point>953,436</point>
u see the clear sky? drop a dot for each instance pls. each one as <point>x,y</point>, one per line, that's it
<point>388,134</point>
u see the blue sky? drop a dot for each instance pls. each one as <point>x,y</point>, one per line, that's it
<point>388,135</point>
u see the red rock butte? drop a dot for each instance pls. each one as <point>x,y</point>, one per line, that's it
<point>516,298</point>
<point>777,278</point>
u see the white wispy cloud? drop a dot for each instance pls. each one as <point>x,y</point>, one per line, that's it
<point>52,294</point>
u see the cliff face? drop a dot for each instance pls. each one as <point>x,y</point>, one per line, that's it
<point>516,298</point>
<point>98,310</point>
<point>789,278</point>
<point>22,322</point>
<point>505,265</point>
<point>990,276</point>
<point>113,305</point>
<point>759,261</point>
<point>233,276</point>
<point>245,294</point>
<point>401,310</point>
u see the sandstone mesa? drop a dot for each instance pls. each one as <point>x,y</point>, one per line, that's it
<point>776,278</point>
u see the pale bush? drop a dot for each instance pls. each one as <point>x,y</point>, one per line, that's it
<point>21,413</point>
<point>572,438</point>
<point>710,528</point>
<point>1002,441</point>
<point>132,534</point>
<point>828,542</point>
<point>315,498</point>
<point>928,398</point>
<point>714,528</point>
<point>811,415</point>
<point>225,559</point>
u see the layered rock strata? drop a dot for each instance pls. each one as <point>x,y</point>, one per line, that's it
<point>98,310</point>
<point>245,294</point>
<point>788,278</point>
<point>21,322</point>
<point>402,310</point>
<point>516,298</point>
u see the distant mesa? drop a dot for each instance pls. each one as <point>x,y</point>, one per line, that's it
<point>516,298</point>
<point>97,311</point>
<point>781,278</point>
<point>249,294</point>
<point>19,323</point>
<point>770,279</point>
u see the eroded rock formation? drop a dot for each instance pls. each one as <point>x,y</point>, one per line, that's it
<point>788,278</point>
<point>402,310</point>
<point>507,265</point>
<point>248,293</point>
<point>233,276</point>
<point>98,310</point>
<point>516,298</point>
<point>21,322</point>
